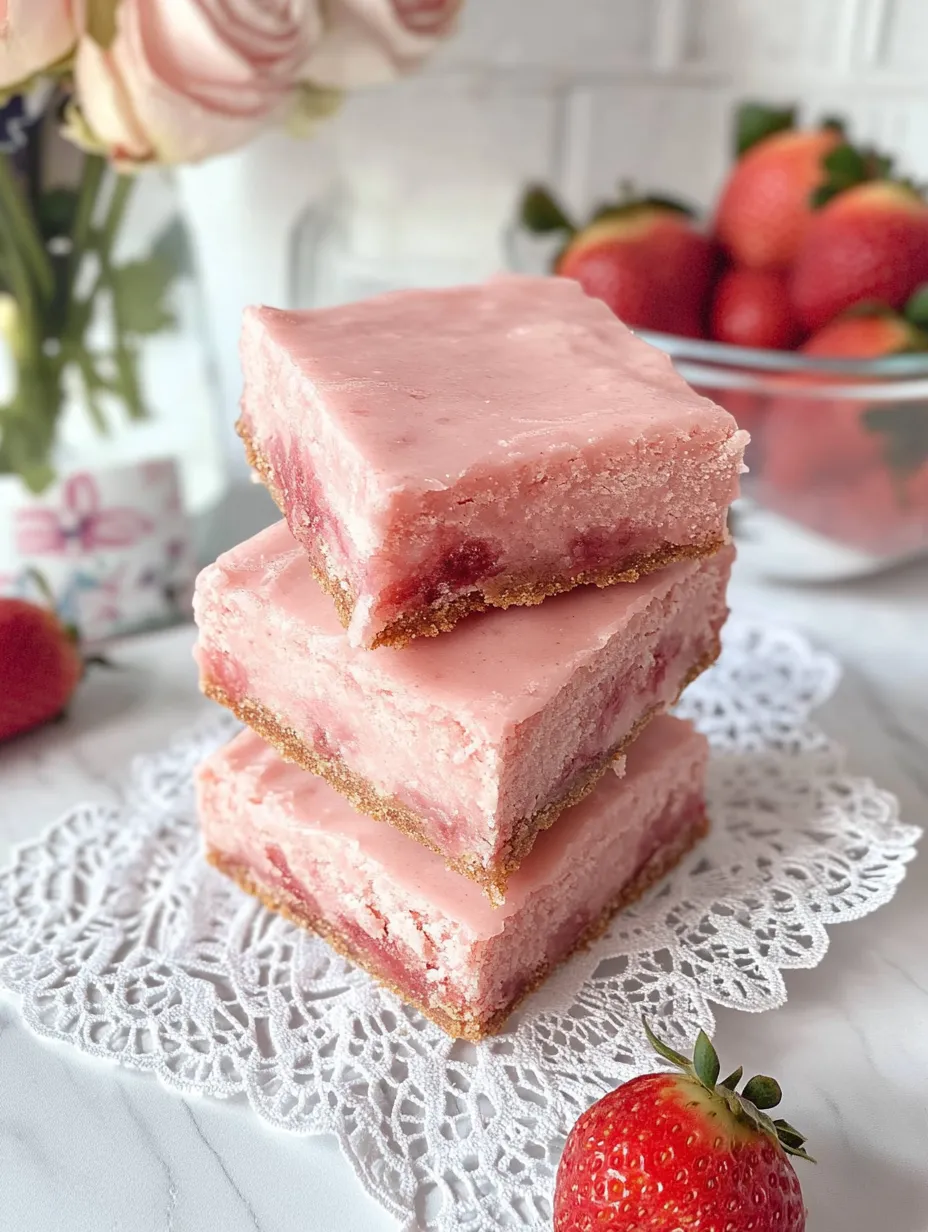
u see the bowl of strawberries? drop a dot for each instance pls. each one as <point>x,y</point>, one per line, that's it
<point>800,303</point>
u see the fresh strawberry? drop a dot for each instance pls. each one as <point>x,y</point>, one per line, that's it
<point>812,440</point>
<point>683,1150</point>
<point>649,263</point>
<point>765,205</point>
<point>869,244</point>
<point>752,308</point>
<point>40,666</point>
<point>866,335</point>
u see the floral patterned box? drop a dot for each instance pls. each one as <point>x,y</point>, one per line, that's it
<point>113,547</point>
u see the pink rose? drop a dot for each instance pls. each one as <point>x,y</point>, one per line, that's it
<point>34,34</point>
<point>181,80</point>
<point>370,41</point>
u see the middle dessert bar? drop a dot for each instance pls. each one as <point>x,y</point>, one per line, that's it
<point>471,743</point>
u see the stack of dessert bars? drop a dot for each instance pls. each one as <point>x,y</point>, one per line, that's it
<point>504,556</point>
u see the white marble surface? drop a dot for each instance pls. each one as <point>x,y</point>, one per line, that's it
<point>85,1147</point>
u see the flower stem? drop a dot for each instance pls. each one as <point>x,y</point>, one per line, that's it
<point>23,229</point>
<point>123,354</point>
<point>92,178</point>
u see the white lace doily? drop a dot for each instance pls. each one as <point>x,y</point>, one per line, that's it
<point>120,940</point>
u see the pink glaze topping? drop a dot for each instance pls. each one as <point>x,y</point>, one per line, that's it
<point>317,824</point>
<point>497,669</point>
<point>426,385</point>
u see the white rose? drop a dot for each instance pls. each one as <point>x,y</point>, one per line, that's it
<point>371,41</point>
<point>181,80</point>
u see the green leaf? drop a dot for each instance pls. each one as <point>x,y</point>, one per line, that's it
<point>903,427</point>
<point>847,166</point>
<point>37,476</point>
<point>755,121</point>
<point>706,1061</point>
<point>541,214</point>
<point>837,124</point>
<point>731,1082</point>
<point>787,1133</point>
<point>846,162</point>
<point>664,1050</point>
<point>763,1092</point>
<point>916,309</point>
<point>172,247</point>
<point>55,211</point>
<point>139,293</point>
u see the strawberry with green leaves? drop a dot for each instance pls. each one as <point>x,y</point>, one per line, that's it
<point>869,243</point>
<point>682,1151</point>
<point>766,202</point>
<point>643,257</point>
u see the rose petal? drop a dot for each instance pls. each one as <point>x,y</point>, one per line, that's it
<point>367,42</point>
<point>105,102</point>
<point>34,34</point>
<point>180,128</point>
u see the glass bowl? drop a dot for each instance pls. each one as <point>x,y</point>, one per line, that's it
<point>837,485</point>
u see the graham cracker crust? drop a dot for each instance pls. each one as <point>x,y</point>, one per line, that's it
<point>454,1023</point>
<point>364,797</point>
<point>500,593</point>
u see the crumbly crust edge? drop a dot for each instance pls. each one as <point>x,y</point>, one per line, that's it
<point>514,592</point>
<point>365,797</point>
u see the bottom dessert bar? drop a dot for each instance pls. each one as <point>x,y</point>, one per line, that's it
<point>428,934</point>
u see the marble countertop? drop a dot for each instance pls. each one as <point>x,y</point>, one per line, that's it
<point>85,1147</point>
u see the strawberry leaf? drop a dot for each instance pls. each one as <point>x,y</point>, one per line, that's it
<point>848,165</point>
<point>706,1061</point>
<point>788,1134</point>
<point>763,1092</point>
<point>664,1050</point>
<point>754,122</point>
<point>834,124</point>
<point>916,309</point>
<point>731,1082</point>
<point>844,167</point>
<point>541,214</point>
<point>903,427</point>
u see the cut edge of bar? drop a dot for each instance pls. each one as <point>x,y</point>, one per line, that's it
<point>364,797</point>
<point>456,1025</point>
<point>433,621</point>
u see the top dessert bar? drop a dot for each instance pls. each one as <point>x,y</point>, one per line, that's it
<point>439,452</point>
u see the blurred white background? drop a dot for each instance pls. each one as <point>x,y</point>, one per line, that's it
<point>576,92</point>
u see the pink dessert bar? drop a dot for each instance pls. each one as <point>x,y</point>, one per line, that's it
<point>391,906</point>
<point>439,452</point>
<point>472,742</point>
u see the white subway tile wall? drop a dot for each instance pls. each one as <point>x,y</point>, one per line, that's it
<point>581,93</point>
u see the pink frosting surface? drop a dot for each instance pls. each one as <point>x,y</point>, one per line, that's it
<point>265,799</point>
<point>426,444</point>
<point>426,385</point>
<point>497,669</point>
